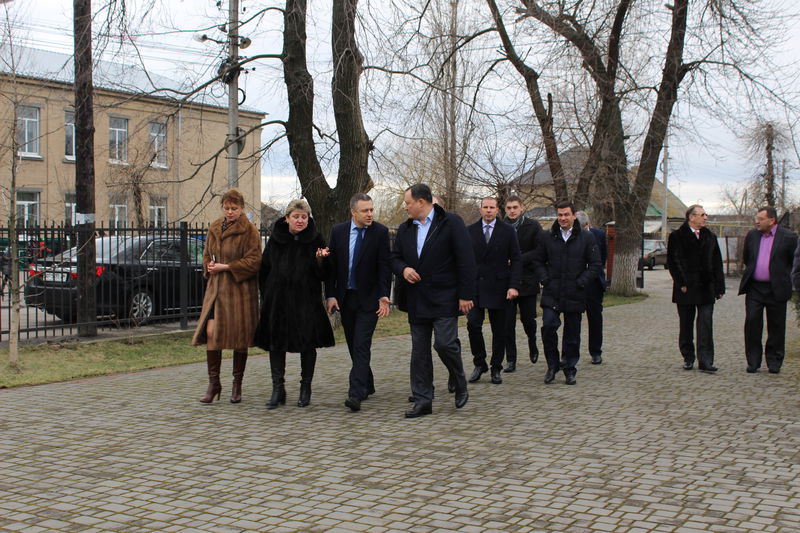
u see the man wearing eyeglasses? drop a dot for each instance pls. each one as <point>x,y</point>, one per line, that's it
<point>695,264</point>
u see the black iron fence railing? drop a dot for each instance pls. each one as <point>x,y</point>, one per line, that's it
<point>143,275</point>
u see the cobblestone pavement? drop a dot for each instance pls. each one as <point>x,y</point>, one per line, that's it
<point>638,445</point>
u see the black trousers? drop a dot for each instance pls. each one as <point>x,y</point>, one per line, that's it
<point>497,319</point>
<point>447,345</point>
<point>705,333</point>
<point>594,317</point>
<point>277,365</point>
<point>358,329</point>
<point>570,342</point>
<point>759,297</point>
<point>527,314</point>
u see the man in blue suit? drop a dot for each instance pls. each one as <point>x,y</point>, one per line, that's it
<point>435,270</point>
<point>595,291</point>
<point>499,263</point>
<point>359,286</point>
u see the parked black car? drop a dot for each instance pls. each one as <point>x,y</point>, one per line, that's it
<point>138,278</point>
<point>654,253</point>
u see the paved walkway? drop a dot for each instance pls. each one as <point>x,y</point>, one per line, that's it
<point>638,445</point>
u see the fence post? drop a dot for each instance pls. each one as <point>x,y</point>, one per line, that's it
<point>184,277</point>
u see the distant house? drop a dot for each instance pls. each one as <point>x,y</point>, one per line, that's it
<point>536,187</point>
<point>148,148</point>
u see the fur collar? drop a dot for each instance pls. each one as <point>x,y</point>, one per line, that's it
<point>282,235</point>
<point>240,226</point>
<point>556,229</point>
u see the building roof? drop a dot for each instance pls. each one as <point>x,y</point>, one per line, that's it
<point>573,161</point>
<point>45,65</point>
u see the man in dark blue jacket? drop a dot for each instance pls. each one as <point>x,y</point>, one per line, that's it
<point>566,261</point>
<point>528,231</point>
<point>435,270</point>
<point>595,291</point>
<point>359,286</point>
<point>499,266</point>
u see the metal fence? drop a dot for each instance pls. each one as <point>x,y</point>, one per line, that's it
<point>143,275</point>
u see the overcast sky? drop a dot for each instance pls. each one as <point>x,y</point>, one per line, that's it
<point>697,170</point>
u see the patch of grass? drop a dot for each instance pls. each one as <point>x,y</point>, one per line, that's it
<point>610,300</point>
<point>53,362</point>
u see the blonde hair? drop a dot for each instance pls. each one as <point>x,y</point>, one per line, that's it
<point>298,205</point>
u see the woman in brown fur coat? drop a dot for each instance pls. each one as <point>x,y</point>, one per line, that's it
<point>231,259</point>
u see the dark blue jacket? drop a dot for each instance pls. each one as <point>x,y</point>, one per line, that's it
<point>528,232</point>
<point>602,247</point>
<point>499,263</point>
<point>566,268</point>
<point>781,258</point>
<point>446,268</point>
<point>373,277</point>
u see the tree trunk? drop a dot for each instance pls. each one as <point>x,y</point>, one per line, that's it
<point>84,168</point>
<point>544,115</point>
<point>769,175</point>
<point>354,144</point>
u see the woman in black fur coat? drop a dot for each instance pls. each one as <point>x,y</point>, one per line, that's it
<point>293,317</point>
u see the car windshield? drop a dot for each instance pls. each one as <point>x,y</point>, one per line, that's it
<point>107,249</point>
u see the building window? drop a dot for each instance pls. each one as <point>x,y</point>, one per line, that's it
<point>158,211</point>
<point>28,130</point>
<point>70,208</point>
<point>158,144</point>
<point>27,209</point>
<point>118,139</point>
<point>69,135</point>
<point>118,212</point>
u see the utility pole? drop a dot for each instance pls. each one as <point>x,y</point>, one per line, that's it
<point>783,186</point>
<point>233,93</point>
<point>84,167</point>
<point>665,169</point>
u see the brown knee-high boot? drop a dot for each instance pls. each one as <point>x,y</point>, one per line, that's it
<point>239,363</point>
<point>214,361</point>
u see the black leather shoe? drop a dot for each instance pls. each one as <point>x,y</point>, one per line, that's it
<point>687,365</point>
<point>570,380</point>
<point>751,370</point>
<point>597,359</point>
<point>774,370</point>
<point>419,410</point>
<point>476,374</point>
<point>461,398</point>
<point>451,384</point>
<point>534,357</point>
<point>711,368</point>
<point>353,403</point>
<point>511,367</point>
<point>550,375</point>
<point>496,379</point>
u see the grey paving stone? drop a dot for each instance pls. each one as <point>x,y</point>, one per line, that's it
<point>638,445</point>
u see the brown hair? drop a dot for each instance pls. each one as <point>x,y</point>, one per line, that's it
<point>232,196</point>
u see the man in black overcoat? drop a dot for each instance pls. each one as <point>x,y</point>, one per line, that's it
<point>566,261</point>
<point>359,286</point>
<point>766,282</point>
<point>695,264</point>
<point>434,267</point>
<point>595,292</point>
<point>499,266</point>
<point>528,231</point>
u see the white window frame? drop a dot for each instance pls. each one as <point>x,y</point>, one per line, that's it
<point>69,131</point>
<point>158,143</point>
<point>118,140</point>
<point>70,208</point>
<point>26,207</point>
<point>118,213</point>
<point>28,131</point>
<point>158,214</point>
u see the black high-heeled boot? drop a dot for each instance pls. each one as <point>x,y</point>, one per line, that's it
<point>239,364</point>
<point>308,360</point>
<point>305,394</point>
<point>277,365</point>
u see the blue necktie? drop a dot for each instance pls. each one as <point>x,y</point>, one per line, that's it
<point>351,280</point>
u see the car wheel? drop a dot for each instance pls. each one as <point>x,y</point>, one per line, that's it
<point>141,306</point>
<point>651,264</point>
<point>66,317</point>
